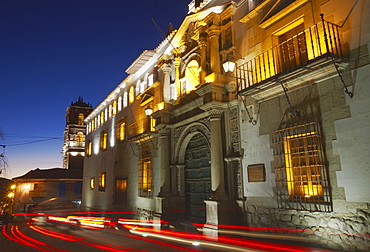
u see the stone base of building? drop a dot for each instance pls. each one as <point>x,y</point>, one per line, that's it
<point>338,231</point>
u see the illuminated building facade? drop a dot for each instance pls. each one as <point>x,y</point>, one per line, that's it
<point>278,141</point>
<point>74,134</point>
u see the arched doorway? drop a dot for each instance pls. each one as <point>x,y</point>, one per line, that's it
<point>197,177</point>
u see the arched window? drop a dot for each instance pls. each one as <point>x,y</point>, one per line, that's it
<point>192,76</point>
<point>114,108</point>
<point>125,100</point>
<point>132,94</point>
<point>81,119</point>
<point>102,117</point>
<point>119,103</point>
<point>89,148</point>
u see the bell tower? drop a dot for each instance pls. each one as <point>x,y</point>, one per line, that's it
<point>74,134</point>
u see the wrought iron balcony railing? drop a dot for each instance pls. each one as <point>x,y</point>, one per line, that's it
<point>319,40</point>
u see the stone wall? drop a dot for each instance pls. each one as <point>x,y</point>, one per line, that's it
<point>338,231</point>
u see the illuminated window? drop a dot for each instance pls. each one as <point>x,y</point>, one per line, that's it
<point>102,181</point>
<point>103,140</point>
<point>81,119</point>
<point>92,183</point>
<point>131,95</point>
<point>92,125</point>
<point>301,175</point>
<point>145,172</point>
<point>114,108</point>
<point>145,178</point>
<point>89,148</point>
<point>102,117</point>
<point>192,76</point>
<point>80,138</point>
<point>121,129</point>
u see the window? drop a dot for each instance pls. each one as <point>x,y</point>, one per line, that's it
<point>125,99</point>
<point>92,183</point>
<point>301,175</point>
<point>92,125</point>
<point>131,95</point>
<point>121,129</point>
<point>103,140</point>
<point>192,76</point>
<point>110,111</point>
<point>114,108</point>
<point>120,103</point>
<point>102,181</point>
<point>89,148</point>
<point>145,178</point>
<point>102,117</point>
<point>80,137</point>
<point>81,118</point>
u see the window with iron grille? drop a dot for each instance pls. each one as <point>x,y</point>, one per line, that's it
<point>145,178</point>
<point>121,129</point>
<point>300,171</point>
<point>102,181</point>
<point>103,140</point>
<point>88,148</point>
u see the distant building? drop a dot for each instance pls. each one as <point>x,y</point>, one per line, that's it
<point>42,184</point>
<point>280,141</point>
<point>74,134</point>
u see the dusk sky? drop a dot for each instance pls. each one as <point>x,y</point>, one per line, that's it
<point>53,51</point>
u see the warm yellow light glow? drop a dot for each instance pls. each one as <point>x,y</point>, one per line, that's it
<point>160,106</point>
<point>122,127</point>
<point>131,95</point>
<point>103,140</point>
<point>102,117</point>
<point>92,183</point>
<point>146,177</point>
<point>11,195</point>
<point>192,76</point>
<point>13,187</point>
<point>27,186</point>
<point>302,176</point>
<point>114,109</point>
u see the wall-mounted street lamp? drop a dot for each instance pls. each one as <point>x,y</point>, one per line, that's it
<point>228,66</point>
<point>148,111</point>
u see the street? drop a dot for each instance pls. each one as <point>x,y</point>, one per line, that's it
<point>23,235</point>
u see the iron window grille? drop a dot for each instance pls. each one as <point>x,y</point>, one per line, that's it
<point>301,174</point>
<point>102,181</point>
<point>103,140</point>
<point>145,178</point>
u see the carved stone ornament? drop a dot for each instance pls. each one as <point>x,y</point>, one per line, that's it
<point>234,127</point>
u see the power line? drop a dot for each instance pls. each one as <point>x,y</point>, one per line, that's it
<point>33,142</point>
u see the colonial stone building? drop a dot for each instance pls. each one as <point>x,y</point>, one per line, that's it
<point>280,140</point>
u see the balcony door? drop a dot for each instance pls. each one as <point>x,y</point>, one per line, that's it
<point>293,49</point>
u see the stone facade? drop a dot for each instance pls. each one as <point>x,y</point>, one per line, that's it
<point>281,141</point>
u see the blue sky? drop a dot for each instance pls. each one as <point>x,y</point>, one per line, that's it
<point>52,51</point>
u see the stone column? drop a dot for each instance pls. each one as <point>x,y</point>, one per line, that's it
<point>214,32</point>
<point>217,160</point>
<point>177,62</point>
<point>166,68</point>
<point>165,163</point>
<point>203,57</point>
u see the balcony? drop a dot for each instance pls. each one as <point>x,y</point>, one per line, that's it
<point>141,129</point>
<point>307,57</point>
